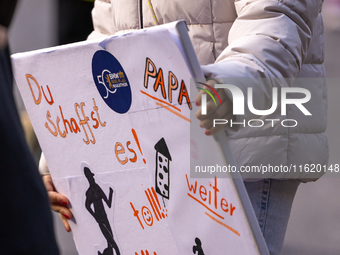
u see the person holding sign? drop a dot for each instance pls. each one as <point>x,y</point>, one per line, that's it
<point>257,39</point>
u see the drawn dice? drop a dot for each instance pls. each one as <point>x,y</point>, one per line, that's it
<point>163,159</point>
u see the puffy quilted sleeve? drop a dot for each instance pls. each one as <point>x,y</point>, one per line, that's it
<point>273,34</point>
<point>269,39</point>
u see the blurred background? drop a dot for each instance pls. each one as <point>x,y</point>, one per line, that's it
<point>314,226</point>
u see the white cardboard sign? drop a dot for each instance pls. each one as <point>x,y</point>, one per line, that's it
<point>113,120</point>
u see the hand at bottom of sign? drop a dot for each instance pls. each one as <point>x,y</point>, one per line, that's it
<point>213,109</point>
<point>59,203</point>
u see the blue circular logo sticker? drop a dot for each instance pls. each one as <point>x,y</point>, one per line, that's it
<point>111,81</point>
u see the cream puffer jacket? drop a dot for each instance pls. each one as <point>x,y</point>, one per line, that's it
<point>249,39</point>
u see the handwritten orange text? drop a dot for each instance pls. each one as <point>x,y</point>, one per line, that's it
<point>209,199</point>
<point>159,83</point>
<point>146,253</point>
<point>120,151</point>
<point>146,214</point>
<point>61,125</point>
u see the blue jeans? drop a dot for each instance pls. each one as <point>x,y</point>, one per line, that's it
<point>272,202</point>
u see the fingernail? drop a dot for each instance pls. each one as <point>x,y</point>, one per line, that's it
<point>66,216</point>
<point>198,104</point>
<point>64,203</point>
<point>207,132</point>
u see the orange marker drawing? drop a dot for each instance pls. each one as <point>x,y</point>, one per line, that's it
<point>156,206</point>
<point>223,224</point>
<point>152,204</point>
<point>137,141</point>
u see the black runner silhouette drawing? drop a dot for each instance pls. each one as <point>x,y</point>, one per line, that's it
<point>95,195</point>
<point>198,247</point>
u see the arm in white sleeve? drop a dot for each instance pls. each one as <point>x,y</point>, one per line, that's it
<point>269,39</point>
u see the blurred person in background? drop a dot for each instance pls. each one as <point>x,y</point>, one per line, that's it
<point>26,225</point>
<point>74,20</point>
<point>243,39</point>
<point>331,9</point>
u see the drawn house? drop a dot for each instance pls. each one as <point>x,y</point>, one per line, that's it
<point>163,159</point>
